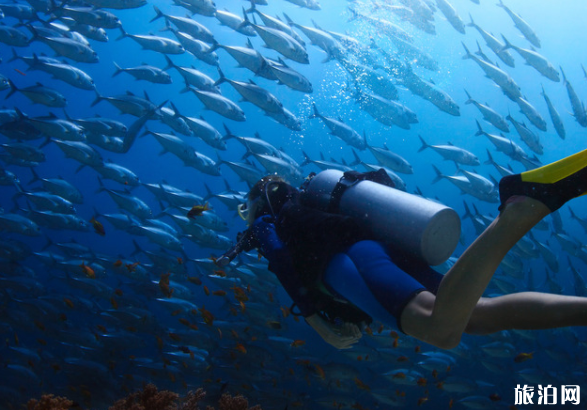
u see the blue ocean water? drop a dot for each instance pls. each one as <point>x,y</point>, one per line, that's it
<point>96,340</point>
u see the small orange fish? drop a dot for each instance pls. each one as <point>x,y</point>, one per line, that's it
<point>164,285</point>
<point>114,303</point>
<point>361,385</point>
<point>206,290</point>
<point>435,373</point>
<point>132,266</point>
<point>220,273</point>
<point>417,349</point>
<point>69,303</point>
<point>197,210</point>
<point>494,397</point>
<point>88,271</point>
<point>422,381</point>
<point>239,294</point>
<point>195,280</point>
<point>219,293</point>
<point>320,372</point>
<point>297,343</point>
<point>20,72</point>
<point>98,227</point>
<point>422,400</point>
<point>117,264</point>
<point>368,330</point>
<point>399,375</point>
<point>179,260</point>
<point>207,316</point>
<point>174,336</point>
<point>522,357</point>
<point>403,359</point>
<point>241,348</point>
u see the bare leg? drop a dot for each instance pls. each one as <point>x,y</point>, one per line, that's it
<point>441,320</point>
<point>527,310</point>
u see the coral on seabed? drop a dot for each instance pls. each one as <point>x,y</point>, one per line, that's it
<point>227,402</point>
<point>150,398</point>
<point>49,402</point>
<point>147,399</point>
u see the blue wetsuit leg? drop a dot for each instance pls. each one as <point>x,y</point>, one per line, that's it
<point>366,276</point>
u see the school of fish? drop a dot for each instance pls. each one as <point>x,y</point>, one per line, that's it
<point>128,139</point>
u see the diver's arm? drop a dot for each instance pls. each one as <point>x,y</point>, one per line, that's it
<point>341,337</point>
<point>245,242</point>
<point>280,263</point>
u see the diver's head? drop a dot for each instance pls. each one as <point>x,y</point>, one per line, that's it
<point>266,197</point>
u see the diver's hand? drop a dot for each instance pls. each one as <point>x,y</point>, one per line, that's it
<point>341,337</point>
<point>223,261</point>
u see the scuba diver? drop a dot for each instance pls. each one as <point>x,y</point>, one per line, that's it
<point>340,275</point>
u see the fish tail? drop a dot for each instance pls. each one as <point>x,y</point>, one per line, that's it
<point>158,15</point>
<point>468,55</point>
<point>490,158</point>
<point>14,56</point>
<point>245,23</point>
<point>479,129</point>
<point>357,160</point>
<point>118,69</point>
<point>170,63</point>
<point>354,14</point>
<point>137,248</point>
<point>472,23</point>
<point>34,32</point>
<point>252,9</point>
<point>315,113</point>
<point>288,19</point>
<point>564,76</point>
<point>507,43</point>
<point>222,78</point>
<point>439,174</point>
<point>175,110</point>
<point>470,100</point>
<point>216,45</point>
<point>123,33</point>
<point>424,144</point>
<point>229,134</point>
<point>307,159</point>
<point>35,176</point>
<point>13,89</point>
<point>468,213</point>
<point>98,98</point>
<point>102,188</point>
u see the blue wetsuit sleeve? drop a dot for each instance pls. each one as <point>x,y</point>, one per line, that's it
<point>280,263</point>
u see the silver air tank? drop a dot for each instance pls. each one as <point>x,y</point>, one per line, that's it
<point>403,221</point>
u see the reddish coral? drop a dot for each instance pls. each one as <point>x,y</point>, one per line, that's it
<point>148,399</point>
<point>228,402</point>
<point>49,402</point>
<point>190,402</point>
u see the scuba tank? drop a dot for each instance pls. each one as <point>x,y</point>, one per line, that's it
<point>426,229</point>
